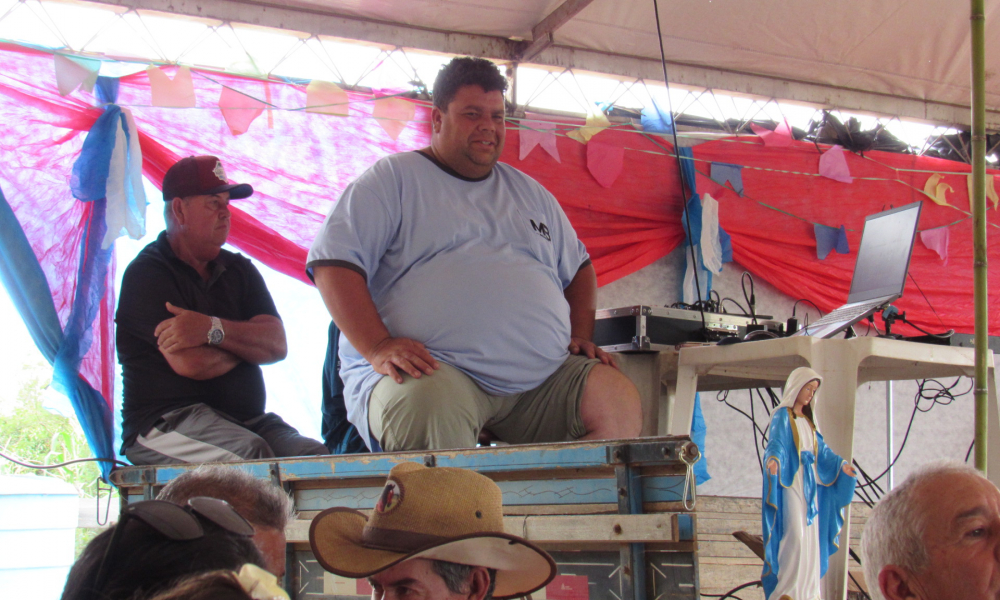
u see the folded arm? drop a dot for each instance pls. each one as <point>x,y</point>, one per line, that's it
<point>183,341</point>
<point>345,293</point>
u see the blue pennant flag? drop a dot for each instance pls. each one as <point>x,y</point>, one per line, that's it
<point>830,238</point>
<point>723,172</point>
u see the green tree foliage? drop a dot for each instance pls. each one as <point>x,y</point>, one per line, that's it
<point>32,434</point>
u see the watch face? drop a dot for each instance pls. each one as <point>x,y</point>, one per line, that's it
<point>215,336</point>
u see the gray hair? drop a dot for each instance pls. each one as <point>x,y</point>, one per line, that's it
<point>168,212</point>
<point>895,530</point>
<point>456,577</point>
<point>258,500</point>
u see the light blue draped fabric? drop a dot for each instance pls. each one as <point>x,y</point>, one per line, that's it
<point>25,281</point>
<point>95,175</point>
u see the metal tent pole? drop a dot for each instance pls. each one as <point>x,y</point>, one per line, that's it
<point>978,200</point>
<point>889,442</point>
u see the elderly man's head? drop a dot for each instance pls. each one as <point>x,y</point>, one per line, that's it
<point>435,534</point>
<point>196,197</point>
<point>265,505</point>
<point>936,536</point>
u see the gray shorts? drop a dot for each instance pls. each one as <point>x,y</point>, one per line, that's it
<point>199,434</point>
<point>448,410</point>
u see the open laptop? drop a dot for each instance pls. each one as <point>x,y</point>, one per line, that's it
<point>879,273</point>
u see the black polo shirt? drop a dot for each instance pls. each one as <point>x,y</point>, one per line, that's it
<point>234,291</point>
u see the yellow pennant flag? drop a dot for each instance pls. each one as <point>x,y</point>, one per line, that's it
<point>936,189</point>
<point>991,190</point>
<point>596,123</point>
<point>393,114</point>
<point>326,98</point>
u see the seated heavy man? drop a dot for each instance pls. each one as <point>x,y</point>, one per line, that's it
<point>194,323</point>
<point>465,298</point>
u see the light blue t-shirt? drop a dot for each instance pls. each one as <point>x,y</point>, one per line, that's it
<point>474,270</point>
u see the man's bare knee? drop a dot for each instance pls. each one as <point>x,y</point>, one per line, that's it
<point>610,407</point>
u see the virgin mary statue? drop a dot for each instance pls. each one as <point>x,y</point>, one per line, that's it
<point>806,486</point>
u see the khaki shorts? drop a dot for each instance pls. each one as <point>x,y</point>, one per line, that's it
<point>448,410</point>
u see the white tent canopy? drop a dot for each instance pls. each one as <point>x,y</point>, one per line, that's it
<point>905,58</point>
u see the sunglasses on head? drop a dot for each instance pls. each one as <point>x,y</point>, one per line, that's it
<point>174,522</point>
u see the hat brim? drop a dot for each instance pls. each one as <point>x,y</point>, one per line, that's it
<point>237,191</point>
<point>522,567</point>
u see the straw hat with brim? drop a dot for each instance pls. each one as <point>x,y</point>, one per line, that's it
<point>439,513</point>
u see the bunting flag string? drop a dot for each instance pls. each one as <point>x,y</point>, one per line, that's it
<point>770,229</point>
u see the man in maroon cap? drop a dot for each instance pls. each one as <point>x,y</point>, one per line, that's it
<point>194,323</point>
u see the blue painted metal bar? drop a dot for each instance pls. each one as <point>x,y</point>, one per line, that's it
<point>515,493</point>
<point>513,458</point>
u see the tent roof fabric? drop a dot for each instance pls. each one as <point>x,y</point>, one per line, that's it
<point>907,58</point>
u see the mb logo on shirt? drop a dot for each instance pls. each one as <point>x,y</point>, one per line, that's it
<point>541,229</point>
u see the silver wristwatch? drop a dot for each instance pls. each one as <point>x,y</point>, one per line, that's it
<point>216,334</point>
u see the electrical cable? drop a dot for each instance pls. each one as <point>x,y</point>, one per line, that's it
<point>62,464</point>
<point>931,306</point>
<point>723,397</point>
<point>717,303</point>
<point>738,305</point>
<point>752,300</point>
<point>794,306</point>
<point>680,168</point>
<point>767,409</point>
<point>935,397</point>
<point>943,336</point>
<point>730,593</point>
<point>857,559</point>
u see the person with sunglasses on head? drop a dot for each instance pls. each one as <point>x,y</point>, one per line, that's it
<point>155,543</point>
<point>261,502</point>
<point>194,324</point>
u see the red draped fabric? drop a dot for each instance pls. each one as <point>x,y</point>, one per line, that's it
<point>299,163</point>
<point>772,225</point>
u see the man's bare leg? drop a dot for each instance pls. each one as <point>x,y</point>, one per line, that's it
<point>610,407</point>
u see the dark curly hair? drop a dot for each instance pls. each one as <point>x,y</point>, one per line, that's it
<point>466,70</point>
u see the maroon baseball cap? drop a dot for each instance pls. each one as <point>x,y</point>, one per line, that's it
<point>200,175</point>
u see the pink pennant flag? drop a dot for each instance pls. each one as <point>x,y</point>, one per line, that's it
<point>604,160</point>
<point>833,164</point>
<point>73,72</point>
<point>239,109</point>
<point>780,137</point>
<point>393,114</point>
<point>326,98</point>
<point>535,133</point>
<point>171,93</point>
<point>937,240</point>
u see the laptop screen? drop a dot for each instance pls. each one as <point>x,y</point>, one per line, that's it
<point>884,255</point>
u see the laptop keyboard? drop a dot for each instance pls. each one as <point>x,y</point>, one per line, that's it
<point>847,313</point>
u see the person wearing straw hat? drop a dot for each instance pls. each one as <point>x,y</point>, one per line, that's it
<point>436,533</point>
